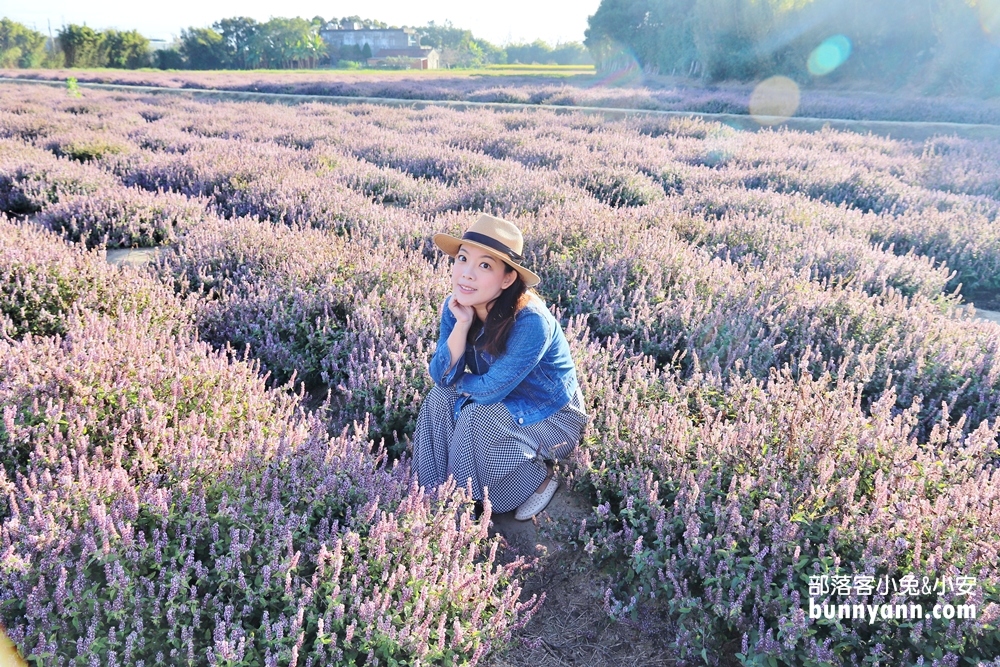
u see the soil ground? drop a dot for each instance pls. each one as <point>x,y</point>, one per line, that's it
<point>988,299</point>
<point>132,256</point>
<point>571,627</point>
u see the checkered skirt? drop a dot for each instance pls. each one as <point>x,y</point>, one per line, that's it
<point>485,445</point>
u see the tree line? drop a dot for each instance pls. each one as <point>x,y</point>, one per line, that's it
<point>244,43</point>
<point>938,45</point>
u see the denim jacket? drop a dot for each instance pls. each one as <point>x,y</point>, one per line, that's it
<point>534,378</point>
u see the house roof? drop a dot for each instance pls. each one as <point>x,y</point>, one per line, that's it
<point>359,27</point>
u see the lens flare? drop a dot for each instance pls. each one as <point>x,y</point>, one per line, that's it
<point>8,652</point>
<point>828,56</point>
<point>622,68</point>
<point>989,18</point>
<point>774,100</point>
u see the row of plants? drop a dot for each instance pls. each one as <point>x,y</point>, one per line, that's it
<point>774,394</point>
<point>162,505</point>
<point>624,90</point>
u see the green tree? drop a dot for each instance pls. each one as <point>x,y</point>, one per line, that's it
<point>967,49</point>
<point>445,36</point>
<point>571,53</point>
<point>20,46</point>
<point>316,48</point>
<point>458,47</point>
<point>949,45</point>
<point>536,52</point>
<point>241,35</point>
<point>366,52</point>
<point>729,35</point>
<point>169,58</point>
<point>203,48</point>
<point>892,42</point>
<point>287,43</point>
<point>617,28</point>
<point>654,34</point>
<point>81,46</point>
<point>128,50</point>
<point>368,22</point>
<point>348,53</point>
<point>491,53</point>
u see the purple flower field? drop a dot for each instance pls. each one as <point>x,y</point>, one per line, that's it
<point>629,90</point>
<point>205,461</point>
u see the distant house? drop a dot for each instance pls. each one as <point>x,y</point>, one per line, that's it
<point>419,57</point>
<point>339,35</point>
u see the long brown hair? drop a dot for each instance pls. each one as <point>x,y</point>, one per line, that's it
<point>500,316</point>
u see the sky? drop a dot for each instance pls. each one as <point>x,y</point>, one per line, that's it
<point>498,22</point>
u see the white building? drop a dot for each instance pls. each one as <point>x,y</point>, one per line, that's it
<point>377,39</point>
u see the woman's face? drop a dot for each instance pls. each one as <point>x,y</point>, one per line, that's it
<point>478,277</point>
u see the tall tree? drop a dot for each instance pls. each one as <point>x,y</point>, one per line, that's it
<point>287,43</point>
<point>81,46</point>
<point>967,56</point>
<point>458,47</point>
<point>169,58</point>
<point>444,36</point>
<point>942,45</point>
<point>203,48</point>
<point>730,36</point>
<point>128,50</point>
<point>20,46</point>
<point>653,34</point>
<point>241,36</point>
<point>617,29</point>
<point>571,53</point>
<point>536,52</point>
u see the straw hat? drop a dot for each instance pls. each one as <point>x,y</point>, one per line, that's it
<point>496,236</point>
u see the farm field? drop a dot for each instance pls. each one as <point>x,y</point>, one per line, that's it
<point>555,85</point>
<point>205,457</point>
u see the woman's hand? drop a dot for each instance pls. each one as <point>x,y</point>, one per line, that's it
<point>464,314</point>
<point>456,339</point>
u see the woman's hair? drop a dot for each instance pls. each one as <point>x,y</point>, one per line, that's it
<point>500,317</point>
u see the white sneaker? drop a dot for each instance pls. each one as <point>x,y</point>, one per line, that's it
<point>537,501</point>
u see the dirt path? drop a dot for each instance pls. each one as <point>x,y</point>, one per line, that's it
<point>571,628</point>
<point>991,315</point>
<point>132,256</point>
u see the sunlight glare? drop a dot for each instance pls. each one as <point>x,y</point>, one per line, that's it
<point>774,100</point>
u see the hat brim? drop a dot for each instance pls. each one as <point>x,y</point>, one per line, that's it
<point>450,244</point>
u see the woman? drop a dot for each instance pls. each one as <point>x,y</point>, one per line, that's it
<point>506,398</point>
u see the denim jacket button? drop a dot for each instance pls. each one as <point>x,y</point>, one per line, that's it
<point>520,420</point>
